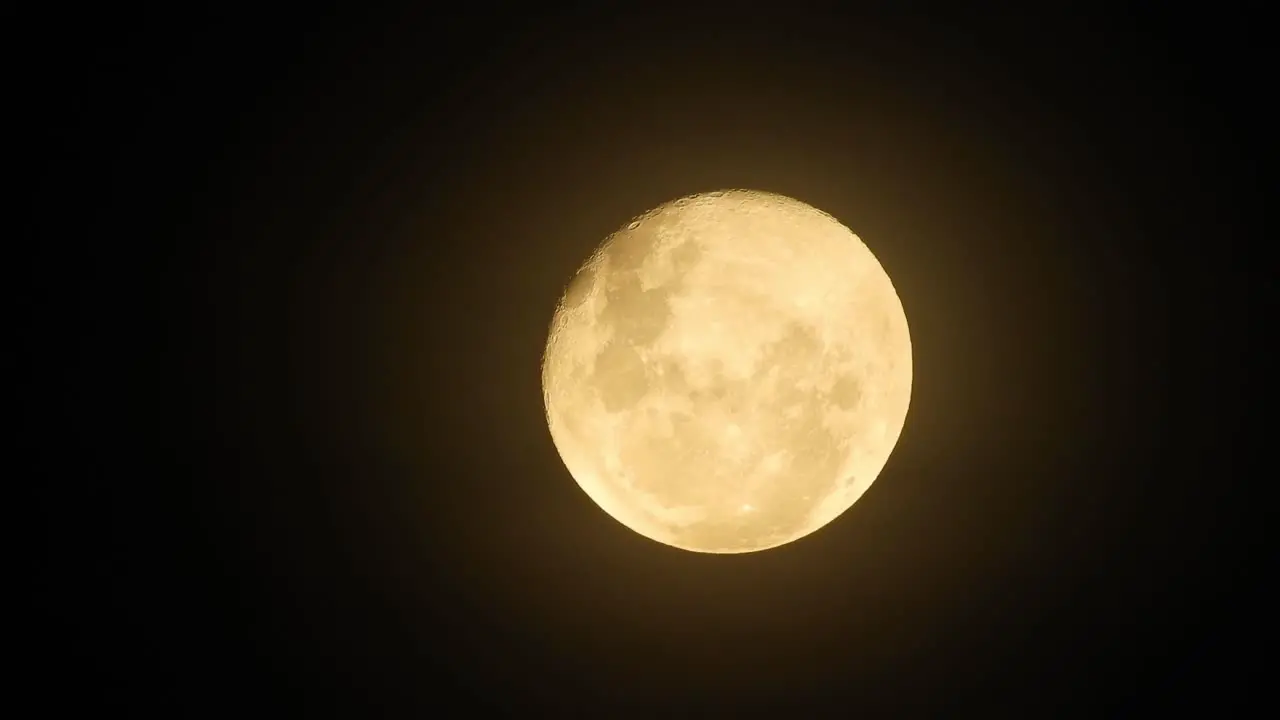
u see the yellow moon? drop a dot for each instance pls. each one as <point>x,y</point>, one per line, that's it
<point>728,373</point>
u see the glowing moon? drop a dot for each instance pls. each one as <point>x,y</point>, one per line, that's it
<point>728,373</point>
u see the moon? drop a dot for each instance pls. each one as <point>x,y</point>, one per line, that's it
<point>727,373</point>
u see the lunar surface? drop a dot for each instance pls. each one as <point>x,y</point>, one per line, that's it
<point>728,373</point>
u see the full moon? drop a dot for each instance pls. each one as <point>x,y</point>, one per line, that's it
<point>728,373</point>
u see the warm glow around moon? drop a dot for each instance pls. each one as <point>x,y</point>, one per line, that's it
<point>728,373</point>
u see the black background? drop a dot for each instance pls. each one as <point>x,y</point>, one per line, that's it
<point>302,267</point>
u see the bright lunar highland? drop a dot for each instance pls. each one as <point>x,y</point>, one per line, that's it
<point>728,373</point>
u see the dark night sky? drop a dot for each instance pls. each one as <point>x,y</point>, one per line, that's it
<point>309,263</point>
